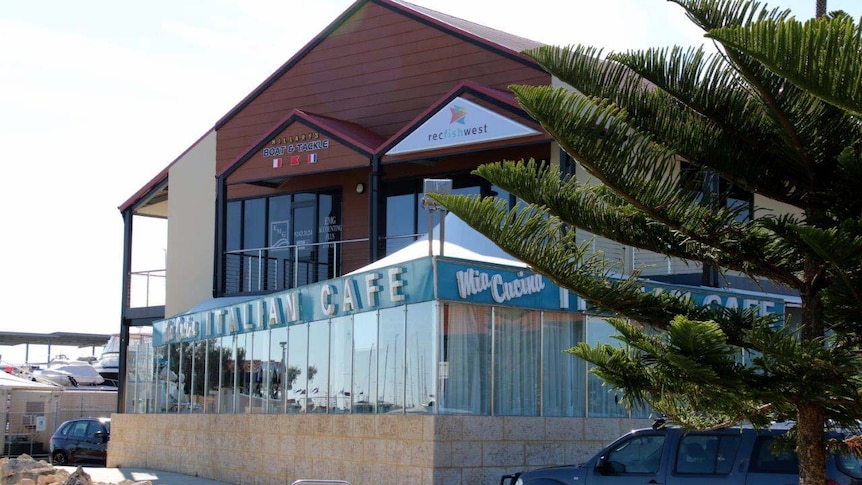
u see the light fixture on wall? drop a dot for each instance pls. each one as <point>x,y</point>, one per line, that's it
<point>360,188</point>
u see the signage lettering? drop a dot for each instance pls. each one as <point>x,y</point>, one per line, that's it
<point>764,307</point>
<point>450,133</point>
<point>283,140</point>
<point>372,289</point>
<point>326,304</point>
<point>472,282</point>
<point>395,284</point>
<point>282,148</point>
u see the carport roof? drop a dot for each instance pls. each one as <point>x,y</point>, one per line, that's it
<point>56,338</point>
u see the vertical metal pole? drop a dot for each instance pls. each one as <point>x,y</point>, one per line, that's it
<point>220,353</point>
<point>335,259</point>
<point>284,382</point>
<point>442,230</point>
<point>205,388</point>
<point>259,269</point>
<point>430,232</point>
<point>493,358</point>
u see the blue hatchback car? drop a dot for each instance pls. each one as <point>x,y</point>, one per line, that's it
<point>81,440</point>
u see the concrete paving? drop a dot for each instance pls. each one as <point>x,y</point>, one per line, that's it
<point>157,477</point>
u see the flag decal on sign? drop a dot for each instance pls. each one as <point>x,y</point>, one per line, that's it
<point>277,162</point>
<point>294,160</point>
<point>312,158</point>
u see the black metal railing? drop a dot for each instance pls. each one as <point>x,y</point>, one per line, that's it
<point>282,267</point>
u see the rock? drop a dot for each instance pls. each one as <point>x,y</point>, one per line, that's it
<point>24,470</point>
<point>78,477</point>
<point>14,471</point>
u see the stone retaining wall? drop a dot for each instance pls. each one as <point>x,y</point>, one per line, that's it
<point>261,449</point>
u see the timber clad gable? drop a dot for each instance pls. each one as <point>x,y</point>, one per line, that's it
<point>379,68</point>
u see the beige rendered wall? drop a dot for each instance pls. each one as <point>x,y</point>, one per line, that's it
<point>22,408</point>
<point>191,227</point>
<point>78,404</point>
<point>260,449</point>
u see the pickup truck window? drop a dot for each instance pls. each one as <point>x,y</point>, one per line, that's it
<point>766,460</point>
<point>706,454</point>
<point>641,454</point>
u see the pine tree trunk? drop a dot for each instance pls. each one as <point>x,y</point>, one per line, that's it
<point>811,417</point>
<point>811,444</point>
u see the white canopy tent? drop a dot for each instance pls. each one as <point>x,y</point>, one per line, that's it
<point>460,241</point>
<point>10,381</point>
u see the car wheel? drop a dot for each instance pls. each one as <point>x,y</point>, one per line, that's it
<point>59,458</point>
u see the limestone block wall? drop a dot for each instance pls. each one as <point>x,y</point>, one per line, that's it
<point>261,449</point>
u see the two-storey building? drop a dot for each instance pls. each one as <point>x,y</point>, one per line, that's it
<point>308,332</point>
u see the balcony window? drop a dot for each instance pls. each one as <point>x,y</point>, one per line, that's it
<point>280,242</point>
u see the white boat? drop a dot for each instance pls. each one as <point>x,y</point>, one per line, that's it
<point>108,364</point>
<point>65,372</point>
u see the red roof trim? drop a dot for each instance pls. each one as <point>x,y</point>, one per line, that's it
<point>427,16</point>
<point>159,179</point>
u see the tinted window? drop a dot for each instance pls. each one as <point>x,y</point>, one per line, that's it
<point>79,429</point>
<point>95,427</point>
<point>766,460</point>
<point>711,454</point>
<point>641,454</point>
<point>849,464</point>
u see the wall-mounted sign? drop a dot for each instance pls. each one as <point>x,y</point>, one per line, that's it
<point>279,232</point>
<point>414,282</point>
<point>523,288</point>
<point>295,149</point>
<point>400,284</point>
<point>460,122</point>
<point>330,230</point>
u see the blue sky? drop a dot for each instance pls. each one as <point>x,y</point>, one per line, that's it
<point>97,96</point>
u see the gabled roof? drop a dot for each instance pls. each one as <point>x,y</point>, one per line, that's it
<point>501,99</point>
<point>357,137</point>
<point>479,32</point>
<point>495,40</point>
<point>498,41</point>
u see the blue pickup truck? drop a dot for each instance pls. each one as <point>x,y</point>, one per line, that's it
<point>670,455</point>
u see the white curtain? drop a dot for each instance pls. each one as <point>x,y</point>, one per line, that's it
<point>466,345</point>
<point>564,375</point>
<point>517,361</point>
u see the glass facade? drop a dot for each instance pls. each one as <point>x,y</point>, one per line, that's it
<point>434,357</point>
<point>281,242</point>
<point>405,217</point>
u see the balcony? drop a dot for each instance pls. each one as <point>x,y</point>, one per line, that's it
<point>279,268</point>
<point>269,269</point>
<point>147,288</point>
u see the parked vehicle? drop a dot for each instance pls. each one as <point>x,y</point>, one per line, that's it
<point>673,456</point>
<point>81,440</point>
